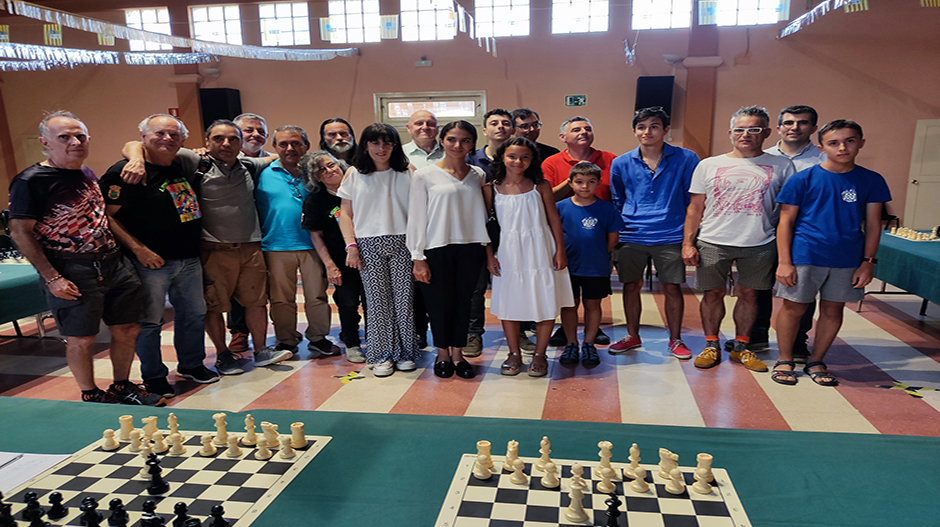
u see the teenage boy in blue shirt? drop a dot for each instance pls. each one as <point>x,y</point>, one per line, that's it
<point>822,247</point>
<point>591,228</point>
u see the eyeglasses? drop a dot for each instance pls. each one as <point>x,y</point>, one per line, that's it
<point>329,166</point>
<point>525,127</point>
<point>801,122</point>
<point>754,130</point>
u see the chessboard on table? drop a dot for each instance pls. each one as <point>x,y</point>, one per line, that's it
<point>471,502</point>
<point>243,485</point>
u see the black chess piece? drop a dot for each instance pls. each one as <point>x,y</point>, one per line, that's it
<point>613,510</point>
<point>6,516</point>
<point>119,516</point>
<point>57,510</point>
<point>150,518</point>
<point>36,520</point>
<point>182,514</point>
<point>217,520</point>
<point>157,485</point>
<point>32,505</point>
<point>192,522</point>
<point>90,516</point>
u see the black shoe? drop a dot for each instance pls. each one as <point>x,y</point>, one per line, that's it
<point>589,356</point>
<point>559,338</point>
<point>569,357</point>
<point>444,369</point>
<point>422,340</point>
<point>601,338</point>
<point>465,370</point>
<point>159,386</point>
<point>199,374</point>
<point>133,394</point>
<point>325,347</point>
<point>288,347</point>
<point>227,365</point>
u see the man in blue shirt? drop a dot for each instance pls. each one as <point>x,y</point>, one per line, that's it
<point>650,188</point>
<point>287,248</point>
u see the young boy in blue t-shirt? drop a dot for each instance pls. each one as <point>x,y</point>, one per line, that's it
<point>591,228</point>
<point>821,245</point>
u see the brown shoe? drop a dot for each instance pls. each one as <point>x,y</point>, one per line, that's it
<point>474,347</point>
<point>708,358</point>
<point>749,360</point>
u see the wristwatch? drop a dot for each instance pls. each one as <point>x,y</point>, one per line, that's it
<point>872,260</point>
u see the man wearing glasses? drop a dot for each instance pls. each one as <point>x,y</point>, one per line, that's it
<point>529,125</point>
<point>731,219</point>
<point>287,248</point>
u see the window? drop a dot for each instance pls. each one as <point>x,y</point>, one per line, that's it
<point>427,20</point>
<point>220,23</point>
<point>284,24</point>
<point>156,20</point>
<point>579,16</point>
<point>662,14</point>
<point>501,18</point>
<point>751,12</point>
<point>396,108</point>
<point>354,21</point>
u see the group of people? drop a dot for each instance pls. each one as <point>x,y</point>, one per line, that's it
<point>412,234</point>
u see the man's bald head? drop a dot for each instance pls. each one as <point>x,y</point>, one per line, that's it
<point>422,125</point>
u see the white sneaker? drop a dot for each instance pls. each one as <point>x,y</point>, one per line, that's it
<point>269,356</point>
<point>354,354</point>
<point>406,365</point>
<point>383,369</point>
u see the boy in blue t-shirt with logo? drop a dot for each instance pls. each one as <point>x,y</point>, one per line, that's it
<point>591,228</point>
<point>822,247</point>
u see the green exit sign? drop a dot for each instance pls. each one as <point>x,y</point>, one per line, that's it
<point>575,100</point>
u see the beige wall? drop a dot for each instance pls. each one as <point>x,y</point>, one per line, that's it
<point>878,67</point>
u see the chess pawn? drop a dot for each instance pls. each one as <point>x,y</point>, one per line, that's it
<point>479,468</point>
<point>545,450</point>
<point>208,449</point>
<point>605,485</point>
<point>639,483</point>
<point>127,424</point>
<point>518,475</point>
<point>108,443</point>
<point>251,437</point>
<point>145,455</point>
<point>630,472</point>
<point>233,450</point>
<point>159,446</point>
<point>177,448</point>
<point>512,454</point>
<point>263,451</point>
<point>221,434</point>
<point>577,470</point>
<point>57,510</point>
<point>287,451</point>
<point>297,437</point>
<point>550,480</point>
<point>135,441</point>
<point>676,484</point>
<point>575,511</point>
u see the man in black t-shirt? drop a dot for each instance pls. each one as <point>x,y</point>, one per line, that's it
<point>159,225</point>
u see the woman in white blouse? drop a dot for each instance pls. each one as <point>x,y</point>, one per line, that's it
<point>447,238</point>
<point>373,218</point>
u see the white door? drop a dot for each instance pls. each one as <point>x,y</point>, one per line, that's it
<point>923,187</point>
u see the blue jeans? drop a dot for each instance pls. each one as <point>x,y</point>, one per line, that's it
<point>182,280</point>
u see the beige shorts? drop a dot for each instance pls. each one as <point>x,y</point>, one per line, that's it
<point>233,270</point>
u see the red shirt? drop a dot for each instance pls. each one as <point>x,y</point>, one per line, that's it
<point>556,168</point>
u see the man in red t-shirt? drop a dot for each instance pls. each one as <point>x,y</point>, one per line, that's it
<point>578,135</point>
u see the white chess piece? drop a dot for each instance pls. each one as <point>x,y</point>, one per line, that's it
<point>667,462</point>
<point>287,451</point>
<point>173,424</point>
<point>518,475</point>
<point>127,424</point>
<point>221,434</point>
<point>630,472</point>
<point>605,485</point>
<point>208,449</point>
<point>639,483</point>
<point>251,437</point>
<point>145,455</point>
<point>703,474</point>
<point>676,483</point>
<point>270,434</point>
<point>108,442</point>
<point>605,456</point>
<point>176,444</point>
<point>136,445</point>
<point>263,451</point>
<point>297,437</point>
<point>484,448</point>
<point>479,468</point>
<point>705,462</point>
<point>159,446</point>
<point>575,511</point>
<point>512,454</point>
<point>577,470</point>
<point>150,426</point>
<point>545,450</point>
<point>550,480</point>
<point>233,450</point>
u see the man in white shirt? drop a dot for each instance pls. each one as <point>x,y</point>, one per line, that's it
<point>731,219</point>
<point>424,148</point>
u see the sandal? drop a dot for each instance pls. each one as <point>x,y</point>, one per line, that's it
<point>822,378</point>
<point>783,376</point>
<point>539,359</point>
<point>511,365</point>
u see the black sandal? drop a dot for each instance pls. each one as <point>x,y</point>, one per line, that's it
<point>781,376</point>
<point>822,378</point>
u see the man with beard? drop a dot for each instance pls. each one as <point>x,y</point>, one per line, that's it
<point>337,137</point>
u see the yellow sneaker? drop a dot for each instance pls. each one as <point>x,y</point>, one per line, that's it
<point>749,360</point>
<point>708,358</point>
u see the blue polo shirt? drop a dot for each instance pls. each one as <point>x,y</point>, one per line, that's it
<point>479,159</point>
<point>652,205</point>
<point>280,200</point>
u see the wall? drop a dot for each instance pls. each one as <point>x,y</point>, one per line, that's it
<point>878,67</point>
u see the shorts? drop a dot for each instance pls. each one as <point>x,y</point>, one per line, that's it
<point>631,260</point>
<point>117,298</point>
<point>233,269</point>
<point>590,287</point>
<point>834,284</point>
<point>755,265</point>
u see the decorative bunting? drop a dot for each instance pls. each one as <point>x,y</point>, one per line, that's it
<point>52,34</point>
<point>461,19</point>
<point>930,3</point>
<point>389,26</point>
<point>57,57</point>
<point>707,12</point>
<point>4,33</point>
<point>816,13</point>
<point>326,29</point>
<point>783,11</point>
<point>105,40</point>
<point>163,59</point>
<point>854,6</point>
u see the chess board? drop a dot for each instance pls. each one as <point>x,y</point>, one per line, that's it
<point>471,502</point>
<point>243,485</point>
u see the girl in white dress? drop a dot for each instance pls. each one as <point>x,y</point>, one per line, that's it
<point>529,277</point>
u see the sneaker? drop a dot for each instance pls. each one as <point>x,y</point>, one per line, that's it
<point>227,365</point>
<point>383,369</point>
<point>288,347</point>
<point>199,374</point>
<point>406,365</point>
<point>749,360</point>
<point>269,356</point>
<point>679,350</point>
<point>354,355</point>
<point>589,356</point>
<point>526,345</point>
<point>708,358</point>
<point>558,338</point>
<point>325,347</point>
<point>159,386</point>
<point>474,347</point>
<point>627,343</point>
<point>135,394</point>
<point>601,338</point>
<point>99,396</point>
<point>239,342</point>
<point>569,357</point>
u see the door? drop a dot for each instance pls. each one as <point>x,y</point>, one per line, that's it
<point>923,187</point>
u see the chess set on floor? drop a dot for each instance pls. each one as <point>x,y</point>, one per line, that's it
<point>151,477</point>
<point>513,491</point>
<point>916,236</point>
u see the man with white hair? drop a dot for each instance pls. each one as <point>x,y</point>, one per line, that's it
<point>424,148</point>
<point>159,224</point>
<point>254,134</point>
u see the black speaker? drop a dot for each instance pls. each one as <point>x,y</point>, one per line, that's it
<point>219,103</point>
<point>655,91</point>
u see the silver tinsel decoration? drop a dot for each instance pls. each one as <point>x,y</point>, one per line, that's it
<point>53,57</point>
<point>164,59</point>
<point>808,18</point>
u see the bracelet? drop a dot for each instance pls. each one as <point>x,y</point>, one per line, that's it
<point>351,244</point>
<point>54,278</point>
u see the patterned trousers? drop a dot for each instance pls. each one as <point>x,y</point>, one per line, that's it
<point>389,285</point>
